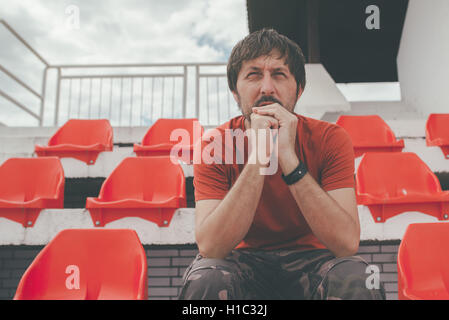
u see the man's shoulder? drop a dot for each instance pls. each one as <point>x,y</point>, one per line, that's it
<point>315,126</point>
<point>232,124</point>
<point>219,141</point>
<point>321,137</point>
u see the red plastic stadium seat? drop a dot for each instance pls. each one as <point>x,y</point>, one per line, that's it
<point>437,132</point>
<point>392,183</point>
<point>370,134</point>
<point>157,141</point>
<point>151,188</point>
<point>28,185</point>
<point>80,139</point>
<point>423,260</point>
<point>87,264</point>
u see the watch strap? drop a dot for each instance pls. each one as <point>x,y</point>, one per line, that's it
<point>296,175</point>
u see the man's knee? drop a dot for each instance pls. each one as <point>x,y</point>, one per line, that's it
<point>207,284</point>
<point>352,278</point>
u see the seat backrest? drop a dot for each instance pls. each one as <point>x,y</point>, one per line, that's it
<point>367,130</point>
<point>25,179</point>
<point>144,178</point>
<point>423,257</point>
<point>395,174</point>
<point>437,126</point>
<point>87,264</point>
<point>83,132</point>
<point>161,130</point>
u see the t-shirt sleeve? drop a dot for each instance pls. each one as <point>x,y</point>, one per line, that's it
<point>210,181</point>
<point>209,176</point>
<point>338,160</point>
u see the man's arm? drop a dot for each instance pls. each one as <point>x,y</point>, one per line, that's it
<point>220,225</point>
<point>332,216</point>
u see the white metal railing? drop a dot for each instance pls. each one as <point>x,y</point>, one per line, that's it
<point>41,95</point>
<point>130,94</point>
<point>119,96</point>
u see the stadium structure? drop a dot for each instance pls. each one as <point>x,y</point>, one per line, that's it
<point>88,190</point>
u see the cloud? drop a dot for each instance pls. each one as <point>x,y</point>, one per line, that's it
<point>114,31</point>
<point>219,14</point>
<point>147,31</point>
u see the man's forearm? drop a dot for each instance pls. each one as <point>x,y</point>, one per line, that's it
<point>230,221</point>
<point>330,223</point>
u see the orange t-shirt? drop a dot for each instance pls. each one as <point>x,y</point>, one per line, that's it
<point>325,148</point>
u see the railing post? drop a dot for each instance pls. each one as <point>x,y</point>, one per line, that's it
<point>58,96</point>
<point>18,37</point>
<point>197,92</point>
<point>43,93</point>
<point>184,93</point>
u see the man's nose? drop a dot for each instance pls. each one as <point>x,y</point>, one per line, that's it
<point>267,86</point>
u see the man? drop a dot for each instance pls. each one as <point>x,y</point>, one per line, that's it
<point>287,235</point>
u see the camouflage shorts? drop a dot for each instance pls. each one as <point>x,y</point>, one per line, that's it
<point>280,274</point>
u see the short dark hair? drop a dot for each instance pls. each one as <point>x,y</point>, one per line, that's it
<point>262,43</point>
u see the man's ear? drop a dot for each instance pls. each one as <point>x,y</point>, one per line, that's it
<point>300,91</point>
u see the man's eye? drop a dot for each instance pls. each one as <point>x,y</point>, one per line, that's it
<point>252,74</point>
<point>280,74</point>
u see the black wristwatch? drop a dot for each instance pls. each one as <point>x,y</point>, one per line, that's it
<point>296,175</point>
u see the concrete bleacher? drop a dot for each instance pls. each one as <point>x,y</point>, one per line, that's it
<point>19,142</point>
<point>379,241</point>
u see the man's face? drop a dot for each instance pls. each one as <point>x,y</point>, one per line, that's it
<point>265,80</point>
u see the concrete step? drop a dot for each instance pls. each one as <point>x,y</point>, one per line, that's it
<point>388,110</point>
<point>181,229</point>
<point>120,134</point>
<point>108,161</point>
<point>51,221</point>
<point>73,168</point>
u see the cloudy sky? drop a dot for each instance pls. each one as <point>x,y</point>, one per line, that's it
<point>110,31</point>
<point>114,31</point>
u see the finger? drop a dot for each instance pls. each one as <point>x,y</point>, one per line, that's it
<point>274,123</point>
<point>270,106</point>
<point>262,114</point>
<point>274,113</point>
<point>263,111</point>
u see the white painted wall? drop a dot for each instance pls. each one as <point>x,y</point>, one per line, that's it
<point>321,94</point>
<point>181,229</point>
<point>423,64</point>
<point>51,221</point>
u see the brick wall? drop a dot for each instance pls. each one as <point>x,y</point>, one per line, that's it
<point>14,260</point>
<point>384,256</point>
<point>166,265</point>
